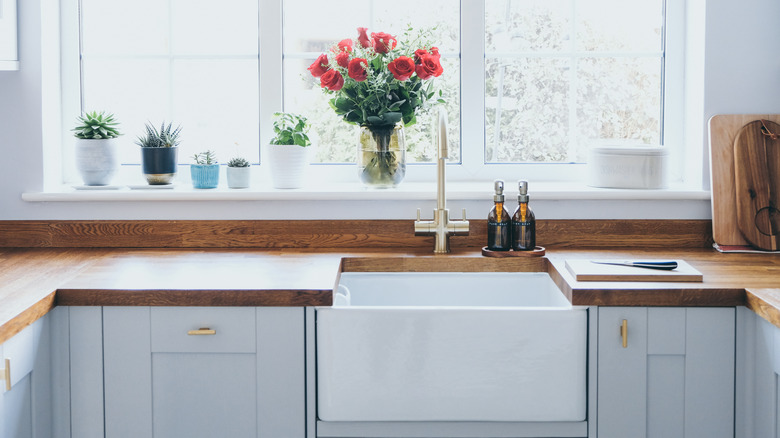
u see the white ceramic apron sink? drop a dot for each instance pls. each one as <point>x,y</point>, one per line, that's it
<point>451,347</point>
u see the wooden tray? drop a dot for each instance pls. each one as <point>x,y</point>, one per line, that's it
<point>537,252</point>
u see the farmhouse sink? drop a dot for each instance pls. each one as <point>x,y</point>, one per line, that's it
<point>446,346</point>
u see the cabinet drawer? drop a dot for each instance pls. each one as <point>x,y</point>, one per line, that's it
<point>174,330</point>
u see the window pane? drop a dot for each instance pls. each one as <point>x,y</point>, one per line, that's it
<point>122,86</point>
<point>628,108</point>
<point>193,63</point>
<point>548,97</point>
<point>528,25</point>
<point>311,28</point>
<point>634,25</point>
<point>125,27</point>
<point>215,101</point>
<point>206,27</point>
<point>527,105</point>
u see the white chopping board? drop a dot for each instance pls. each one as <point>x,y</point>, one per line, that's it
<point>586,270</point>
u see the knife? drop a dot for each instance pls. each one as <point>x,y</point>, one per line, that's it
<point>665,265</point>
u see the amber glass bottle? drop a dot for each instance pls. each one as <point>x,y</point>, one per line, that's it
<point>523,222</point>
<point>499,222</point>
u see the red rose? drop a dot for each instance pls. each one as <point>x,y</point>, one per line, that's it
<point>402,68</point>
<point>418,54</point>
<point>429,66</point>
<point>383,42</point>
<point>319,67</point>
<point>345,45</point>
<point>342,59</point>
<point>357,69</point>
<point>363,37</point>
<point>332,80</point>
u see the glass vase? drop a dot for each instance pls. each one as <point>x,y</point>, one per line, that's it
<point>381,156</point>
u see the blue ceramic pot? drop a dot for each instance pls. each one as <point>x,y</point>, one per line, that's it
<point>159,164</point>
<point>205,176</point>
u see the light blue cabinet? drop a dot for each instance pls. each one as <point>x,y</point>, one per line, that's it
<point>187,371</point>
<point>673,376</point>
<point>25,408</point>
<point>155,371</point>
<point>758,377</point>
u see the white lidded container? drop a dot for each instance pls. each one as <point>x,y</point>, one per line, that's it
<point>627,167</point>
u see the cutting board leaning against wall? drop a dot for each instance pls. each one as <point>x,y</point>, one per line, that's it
<point>745,172</point>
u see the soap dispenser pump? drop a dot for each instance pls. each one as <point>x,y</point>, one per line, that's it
<point>523,222</point>
<point>499,222</point>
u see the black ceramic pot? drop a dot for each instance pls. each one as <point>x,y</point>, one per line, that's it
<point>159,164</point>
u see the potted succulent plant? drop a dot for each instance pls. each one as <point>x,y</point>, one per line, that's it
<point>96,147</point>
<point>289,150</point>
<point>159,149</point>
<point>205,171</point>
<point>238,173</point>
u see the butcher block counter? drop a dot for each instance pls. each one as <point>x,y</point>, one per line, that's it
<point>34,280</point>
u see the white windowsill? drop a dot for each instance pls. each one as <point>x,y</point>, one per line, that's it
<point>455,191</point>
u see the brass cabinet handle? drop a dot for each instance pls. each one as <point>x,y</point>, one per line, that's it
<point>5,374</point>
<point>202,331</point>
<point>624,333</point>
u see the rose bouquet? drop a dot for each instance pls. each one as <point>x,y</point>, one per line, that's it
<point>380,83</point>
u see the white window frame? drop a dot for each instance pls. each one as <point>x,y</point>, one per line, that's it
<point>684,169</point>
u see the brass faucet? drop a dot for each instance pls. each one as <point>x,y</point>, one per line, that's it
<point>441,226</point>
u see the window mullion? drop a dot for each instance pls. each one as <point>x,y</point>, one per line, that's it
<point>270,69</point>
<point>472,103</point>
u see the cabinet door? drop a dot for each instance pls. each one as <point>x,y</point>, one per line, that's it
<point>203,372</point>
<point>759,385</point>
<point>25,409</point>
<point>673,378</point>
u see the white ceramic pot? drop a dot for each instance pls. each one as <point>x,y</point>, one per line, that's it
<point>96,160</point>
<point>238,177</point>
<point>288,165</point>
<point>628,167</point>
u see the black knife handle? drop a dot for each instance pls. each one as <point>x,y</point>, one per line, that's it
<point>667,266</point>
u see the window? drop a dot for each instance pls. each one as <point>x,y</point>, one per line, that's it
<point>529,84</point>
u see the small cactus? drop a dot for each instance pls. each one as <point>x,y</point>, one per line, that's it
<point>208,158</point>
<point>96,125</point>
<point>238,162</point>
<point>164,138</point>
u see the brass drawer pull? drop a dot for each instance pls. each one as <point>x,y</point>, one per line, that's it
<point>624,333</point>
<point>202,331</point>
<point>5,374</point>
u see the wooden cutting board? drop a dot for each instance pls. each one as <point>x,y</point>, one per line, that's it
<point>723,129</point>
<point>757,183</point>
<point>585,270</point>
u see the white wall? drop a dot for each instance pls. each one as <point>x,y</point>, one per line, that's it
<point>739,72</point>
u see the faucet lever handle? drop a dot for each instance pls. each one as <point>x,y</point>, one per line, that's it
<point>464,215</point>
<point>418,215</point>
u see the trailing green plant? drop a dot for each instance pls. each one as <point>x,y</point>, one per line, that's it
<point>166,137</point>
<point>96,125</point>
<point>208,158</point>
<point>238,162</point>
<point>291,129</point>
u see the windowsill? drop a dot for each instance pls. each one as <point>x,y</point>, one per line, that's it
<point>455,191</point>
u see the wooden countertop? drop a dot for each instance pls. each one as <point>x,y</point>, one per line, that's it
<point>34,280</point>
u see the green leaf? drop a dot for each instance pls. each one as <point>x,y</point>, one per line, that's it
<point>396,105</point>
<point>391,118</point>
